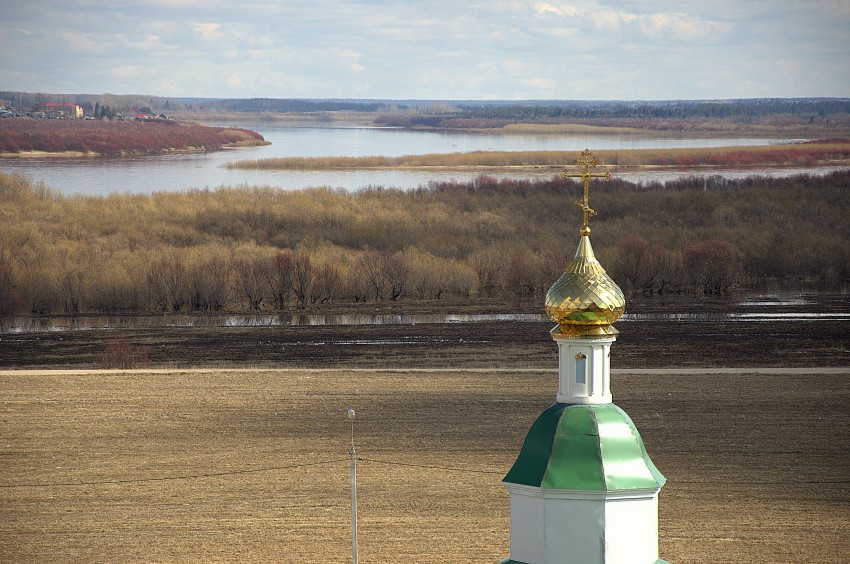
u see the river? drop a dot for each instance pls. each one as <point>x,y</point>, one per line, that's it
<point>144,175</point>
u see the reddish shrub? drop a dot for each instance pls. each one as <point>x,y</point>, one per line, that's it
<point>118,352</point>
<point>113,137</point>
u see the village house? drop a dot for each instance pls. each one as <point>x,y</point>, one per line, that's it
<point>59,110</point>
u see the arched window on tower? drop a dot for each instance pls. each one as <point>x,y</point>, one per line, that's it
<point>581,369</point>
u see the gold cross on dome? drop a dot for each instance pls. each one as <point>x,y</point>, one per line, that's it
<point>587,161</point>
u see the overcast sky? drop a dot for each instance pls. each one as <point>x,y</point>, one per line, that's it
<point>429,49</point>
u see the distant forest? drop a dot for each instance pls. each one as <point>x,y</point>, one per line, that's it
<point>267,249</point>
<point>520,110</point>
<point>665,109</point>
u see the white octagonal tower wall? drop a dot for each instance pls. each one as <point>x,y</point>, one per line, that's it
<point>574,526</point>
<point>631,527</point>
<point>552,526</point>
<point>528,524</point>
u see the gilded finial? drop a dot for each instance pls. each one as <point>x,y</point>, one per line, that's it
<point>587,161</point>
<point>585,301</point>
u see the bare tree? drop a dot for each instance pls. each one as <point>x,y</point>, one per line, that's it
<point>396,272</point>
<point>9,296</point>
<point>324,284</point>
<point>210,282</point>
<point>430,276</point>
<point>387,274</point>
<point>167,282</point>
<point>488,265</point>
<point>250,280</point>
<point>369,265</point>
<point>302,276</point>
<point>712,266</point>
<point>632,261</point>
<point>279,275</point>
<point>517,277</point>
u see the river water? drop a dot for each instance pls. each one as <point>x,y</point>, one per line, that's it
<point>144,175</point>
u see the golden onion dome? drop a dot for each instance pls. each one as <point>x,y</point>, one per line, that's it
<point>585,300</point>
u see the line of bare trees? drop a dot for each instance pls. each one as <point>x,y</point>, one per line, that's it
<point>215,279</point>
<point>263,249</point>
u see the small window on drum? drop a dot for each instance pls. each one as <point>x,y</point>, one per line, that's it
<point>581,369</point>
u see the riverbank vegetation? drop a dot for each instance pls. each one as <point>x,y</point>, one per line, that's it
<point>261,248</point>
<point>826,116</point>
<point>116,137</point>
<point>826,151</point>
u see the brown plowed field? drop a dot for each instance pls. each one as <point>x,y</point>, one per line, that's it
<point>252,465</point>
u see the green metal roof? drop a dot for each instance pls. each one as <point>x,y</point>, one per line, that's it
<point>584,447</point>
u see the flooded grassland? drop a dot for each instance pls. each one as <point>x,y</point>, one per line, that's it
<point>746,332</point>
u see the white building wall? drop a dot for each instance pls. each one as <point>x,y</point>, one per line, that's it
<point>631,530</point>
<point>599,353</point>
<point>583,527</point>
<point>528,524</point>
<point>574,531</point>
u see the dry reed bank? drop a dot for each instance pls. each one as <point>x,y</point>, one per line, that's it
<point>827,151</point>
<point>248,466</point>
<point>259,248</point>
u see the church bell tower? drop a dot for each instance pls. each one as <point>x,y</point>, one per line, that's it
<point>583,489</point>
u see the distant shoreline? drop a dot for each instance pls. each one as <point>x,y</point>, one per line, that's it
<point>74,138</point>
<point>92,154</point>
<point>769,125</point>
